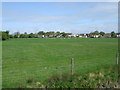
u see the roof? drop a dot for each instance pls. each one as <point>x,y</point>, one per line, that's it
<point>107,33</point>
<point>68,33</point>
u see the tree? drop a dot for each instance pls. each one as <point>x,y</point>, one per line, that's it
<point>57,33</point>
<point>113,35</point>
<point>41,33</point>
<point>102,33</point>
<point>64,34</point>
<point>25,32</point>
<point>4,36</point>
<point>25,35</point>
<point>22,36</point>
<point>50,34</point>
<point>96,32</point>
<point>10,36</point>
<point>7,32</point>
<point>16,34</point>
<point>31,35</point>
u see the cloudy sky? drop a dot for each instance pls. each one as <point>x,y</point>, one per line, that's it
<point>75,17</point>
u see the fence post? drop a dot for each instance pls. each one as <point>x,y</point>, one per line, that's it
<point>117,57</point>
<point>72,66</point>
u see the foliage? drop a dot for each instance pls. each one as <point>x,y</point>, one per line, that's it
<point>50,34</point>
<point>113,34</point>
<point>25,35</point>
<point>105,78</point>
<point>64,34</point>
<point>31,35</point>
<point>95,33</point>
<point>5,35</point>
<point>11,36</point>
<point>22,36</point>
<point>17,33</point>
<point>102,33</point>
<point>15,36</point>
<point>41,33</point>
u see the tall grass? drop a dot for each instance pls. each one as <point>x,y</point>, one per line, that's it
<point>104,78</point>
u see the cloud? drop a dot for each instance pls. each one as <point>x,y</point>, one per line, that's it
<point>60,0</point>
<point>108,27</point>
<point>102,11</point>
<point>101,16</point>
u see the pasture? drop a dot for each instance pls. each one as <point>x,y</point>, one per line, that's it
<point>40,58</point>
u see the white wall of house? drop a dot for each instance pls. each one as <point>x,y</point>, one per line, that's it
<point>96,36</point>
<point>72,35</point>
<point>118,35</point>
<point>107,36</point>
<point>41,35</point>
<point>80,36</point>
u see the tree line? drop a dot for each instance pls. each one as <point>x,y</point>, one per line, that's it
<point>113,34</point>
<point>5,34</point>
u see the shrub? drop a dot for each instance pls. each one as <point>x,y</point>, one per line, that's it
<point>4,36</point>
<point>10,36</point>
<point>105,78</point>
<point>15,36</point>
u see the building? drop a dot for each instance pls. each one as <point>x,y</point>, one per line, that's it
<point>40,36</point>
<point>83,35</point>
<point>107,35</point>
<point>118,35</point>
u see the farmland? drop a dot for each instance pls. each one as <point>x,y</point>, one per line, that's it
<point>41,58</point>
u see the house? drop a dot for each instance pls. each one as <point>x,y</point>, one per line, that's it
<point>59,36</point>
<point>118,35</point>
<point>73,35</point>
<point>68,34</point>
<point>83,35</point>
<point>50,35</point>
<point>96,36</point>
<point>107,35</point>
<point>40,36</point>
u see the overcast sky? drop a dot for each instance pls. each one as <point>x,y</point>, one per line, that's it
<point>75,17</point>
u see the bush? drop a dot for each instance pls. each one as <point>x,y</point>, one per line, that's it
<point>104,78</point>
<point>4,36</point>
<point>15,36</point>
<point>10,36</point>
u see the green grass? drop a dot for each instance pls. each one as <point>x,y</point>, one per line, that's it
<point>0,64</point>
<point>40,58</point>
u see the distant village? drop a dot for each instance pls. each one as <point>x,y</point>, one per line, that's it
<point>52,34</point>
<point>90,35</point>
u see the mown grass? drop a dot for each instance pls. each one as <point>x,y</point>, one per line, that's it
<point>0,64</point>
<point>41,58</point>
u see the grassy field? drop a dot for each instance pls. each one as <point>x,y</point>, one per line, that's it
<point>40,58</point>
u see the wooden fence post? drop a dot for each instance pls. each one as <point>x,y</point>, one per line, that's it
<point>117,57</point>
<point>72,66</point>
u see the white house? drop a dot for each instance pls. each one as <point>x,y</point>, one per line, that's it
<point>41,36</point>
<point>96,36</point>
<point>118,35</point>
<point>82,35</point>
